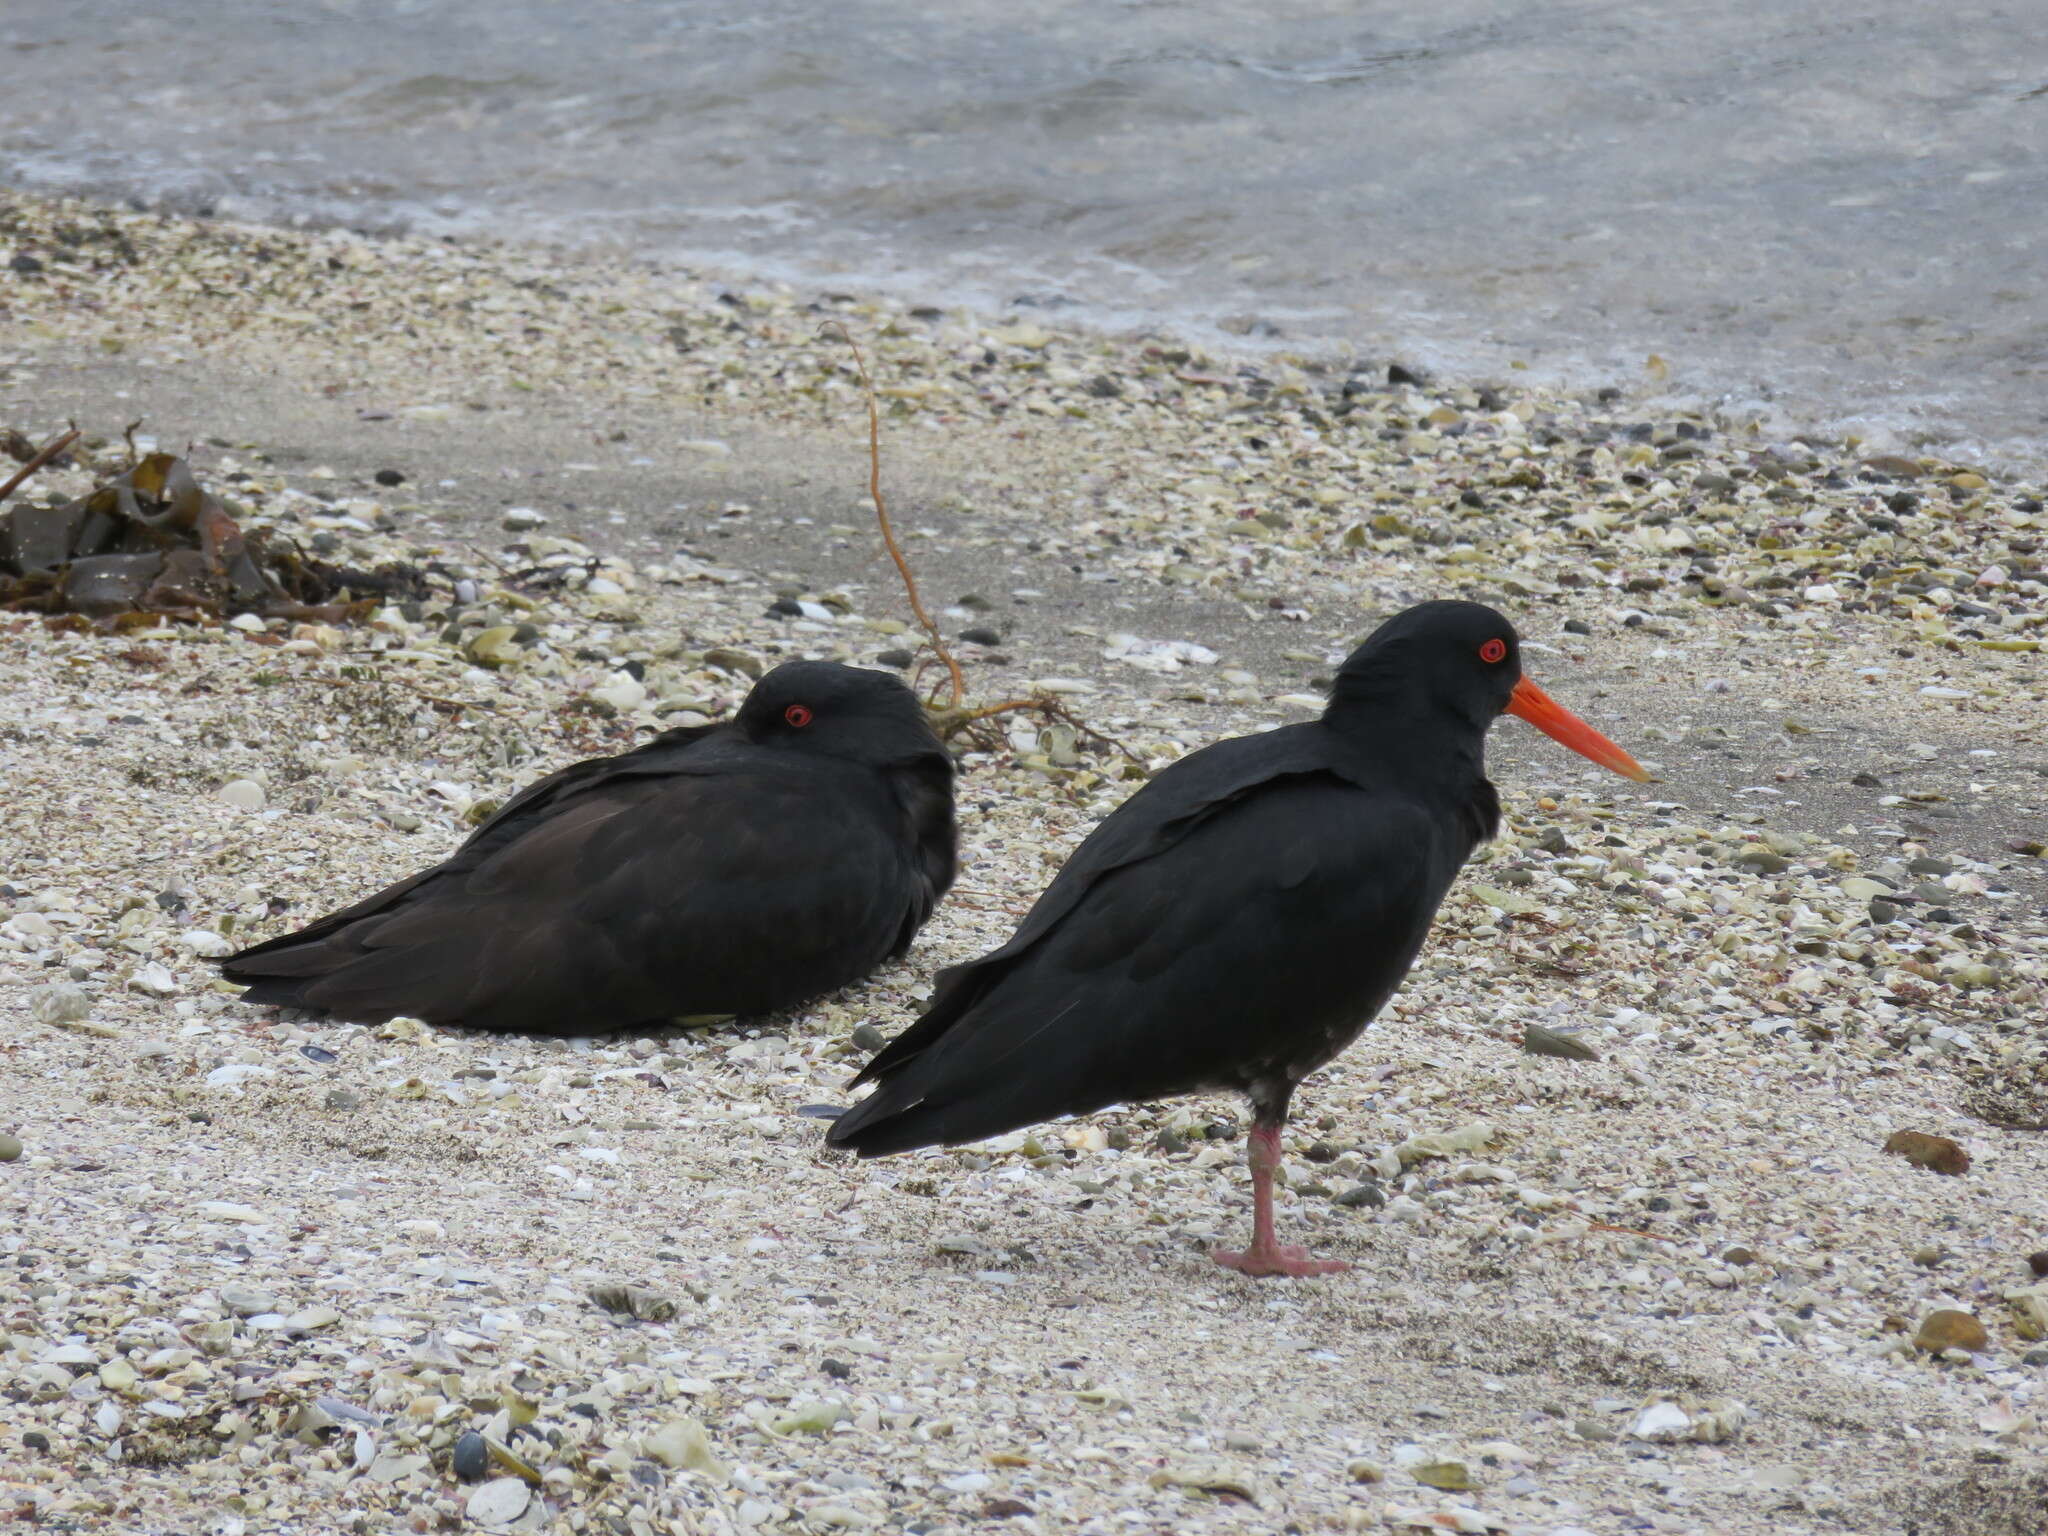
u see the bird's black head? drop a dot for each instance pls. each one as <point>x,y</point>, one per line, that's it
<point>1446,671</point>
<point>1460,660</point>
<point>850,712</point>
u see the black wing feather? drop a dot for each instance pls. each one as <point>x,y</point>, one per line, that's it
<point>515,817</point>
<point>718,880</point>
<point>1203,963</point>
<point>1158,816</point>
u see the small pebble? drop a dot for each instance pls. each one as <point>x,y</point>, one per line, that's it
<point>1948,1328</point>
<point>499,1502</point>
<point>638,1301</point>
<point>61,1002</point>
<point>1936,1153</point>
<point>682,1444</point>
<point>154,979</point>
<point>243,794</point>
<point>1445,1476</point>
<point>246,1301</point>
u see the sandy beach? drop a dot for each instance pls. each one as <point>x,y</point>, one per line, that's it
<point>269,1273</point>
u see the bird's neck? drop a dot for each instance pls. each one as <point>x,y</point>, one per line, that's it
<point>1406,719</point>
<point>1414,741</point>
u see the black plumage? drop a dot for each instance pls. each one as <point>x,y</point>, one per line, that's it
<point>735,868</point>
<point>1237,922</point>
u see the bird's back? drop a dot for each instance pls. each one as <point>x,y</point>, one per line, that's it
<point>718,878</point>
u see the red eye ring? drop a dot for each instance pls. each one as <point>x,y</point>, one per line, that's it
<point>797,715</point>
<point>1493,650</point>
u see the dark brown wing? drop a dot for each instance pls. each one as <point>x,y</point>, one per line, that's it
<point>730,881</point>
<point>1242,954</point>
<point>513,819</point>
<point>1152,821</point>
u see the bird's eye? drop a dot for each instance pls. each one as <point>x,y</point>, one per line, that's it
<point>1493,650</point>
<point>797,715</point>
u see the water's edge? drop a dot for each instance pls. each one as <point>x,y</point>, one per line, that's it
<point>1834,223</point>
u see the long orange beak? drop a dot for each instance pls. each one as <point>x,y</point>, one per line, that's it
<point>1560,724</point>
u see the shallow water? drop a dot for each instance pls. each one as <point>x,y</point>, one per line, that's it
<point>1840,209</point>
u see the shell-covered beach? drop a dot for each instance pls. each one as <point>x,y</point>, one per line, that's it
<point>268,1275</point>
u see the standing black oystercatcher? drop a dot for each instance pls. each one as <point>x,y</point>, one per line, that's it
<point>724,869</point>
<point>1237,922</point>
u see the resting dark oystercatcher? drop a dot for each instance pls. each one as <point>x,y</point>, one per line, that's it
<point>1237,922</point>
<point>735,868</point>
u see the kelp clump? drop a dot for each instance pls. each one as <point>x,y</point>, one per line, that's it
<point>154,541</point>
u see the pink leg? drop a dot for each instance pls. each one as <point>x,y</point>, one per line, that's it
<point>1266,1257</point>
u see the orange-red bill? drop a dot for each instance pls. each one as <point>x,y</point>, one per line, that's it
<point>1558,723</point>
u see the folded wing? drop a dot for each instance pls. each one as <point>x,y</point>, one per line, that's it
<point>627,891</point>
<point>1191,953</point>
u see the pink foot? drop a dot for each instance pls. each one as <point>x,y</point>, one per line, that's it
<point>1266,1257</point>
<point>1277,1259</point>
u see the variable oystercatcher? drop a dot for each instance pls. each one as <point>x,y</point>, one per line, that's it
<point>1238,921</point>
<point>723,869</point>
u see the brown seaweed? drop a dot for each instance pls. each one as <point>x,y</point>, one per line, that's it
<point>153,540</point>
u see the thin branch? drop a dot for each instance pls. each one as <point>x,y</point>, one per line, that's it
<point>882,513</point>
<point>1008,706</point>
<point>1605,1226</point>
<point>1059,711</point>
<point>485,554</point>
<point>957,716</point>
<point>951,722</point>
<point>44,454</point>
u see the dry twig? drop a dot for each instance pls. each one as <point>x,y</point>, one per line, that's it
<point>958,716</point>
<point>44,454</point>
<point>1606,1226</point>
<point>882,516</point>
